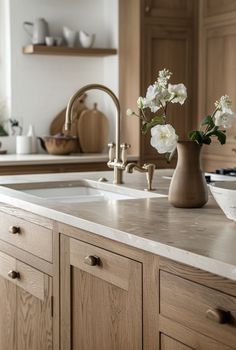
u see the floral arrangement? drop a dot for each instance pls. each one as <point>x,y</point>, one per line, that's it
<point>163,135</point>
<point>2,116</point>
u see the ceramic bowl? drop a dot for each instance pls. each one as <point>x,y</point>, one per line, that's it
<point>60,145</point>
<point>224,193</point>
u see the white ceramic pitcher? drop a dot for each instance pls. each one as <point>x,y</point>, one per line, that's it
<point>39,30</point>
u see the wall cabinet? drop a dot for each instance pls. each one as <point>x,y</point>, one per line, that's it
<point>166,33</point>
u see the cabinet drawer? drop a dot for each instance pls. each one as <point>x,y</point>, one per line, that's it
<point>200,308</point>
<point>113,268</point>
<point>28,236</point>
<point>22,275</point>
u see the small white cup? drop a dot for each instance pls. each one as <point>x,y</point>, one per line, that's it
<point>49,40</point>
<point>23,144</point>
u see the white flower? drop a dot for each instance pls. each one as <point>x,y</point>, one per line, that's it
<point>225,119</point>
<point>178,93</point>
<point>163,78</point>
<point>164,138</point>
<point>224,104</point>
<point>129,112</point>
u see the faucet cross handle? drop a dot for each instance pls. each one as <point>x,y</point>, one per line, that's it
<point>124,147</point>
<point>112,151</point>
<point>150,168</point>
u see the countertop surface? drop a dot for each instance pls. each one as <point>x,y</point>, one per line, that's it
<point>31,159</point>
<point>202,238</point>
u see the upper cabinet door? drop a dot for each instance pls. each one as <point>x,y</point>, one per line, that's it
<point>101,299</point>
<point>168,8</point>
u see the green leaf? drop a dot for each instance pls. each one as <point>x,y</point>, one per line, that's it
<point>196,136</point>
<point>221,136</point>
<point>207,140</point>
<point>208,121</point>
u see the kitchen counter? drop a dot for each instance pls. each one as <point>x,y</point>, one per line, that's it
<point>203,238</point>
<point>26,159</point>
<point>45,163</point>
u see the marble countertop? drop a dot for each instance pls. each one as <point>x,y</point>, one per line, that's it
<point>38,158</point>
<point>202,238</point>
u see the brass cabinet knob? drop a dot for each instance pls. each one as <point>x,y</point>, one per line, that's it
<point>218,316</point>
<point>147,9</point>
<point>92,260</point>
<point>14,229</point>
<point>13,274</point>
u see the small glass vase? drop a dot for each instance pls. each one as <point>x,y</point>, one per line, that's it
<point>188,188</point>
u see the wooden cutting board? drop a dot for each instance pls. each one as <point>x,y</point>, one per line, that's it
<point>93,130</point>
<point>57,125</point>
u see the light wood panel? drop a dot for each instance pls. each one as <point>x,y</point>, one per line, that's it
<point>66,51</point>
<point>188,303</point>
<point>103,316</point>
<point>187,336</point>
<point>168,8</point>
<point>7,314</point>
<point>217,47</point>
<point>31,237</point>
<point>169,47</point>
<point>34,319</point>
<point>168,343</point>
<point>216,7</point>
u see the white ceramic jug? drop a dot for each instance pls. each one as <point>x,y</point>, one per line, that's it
<point>39,31</point>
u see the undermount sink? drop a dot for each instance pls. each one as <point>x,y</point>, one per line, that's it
<point>82,191</point>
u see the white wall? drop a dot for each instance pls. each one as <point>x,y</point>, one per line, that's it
<point>4,54</point>
<point>42,85</point>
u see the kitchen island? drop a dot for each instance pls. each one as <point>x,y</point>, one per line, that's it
<point>161,277</point>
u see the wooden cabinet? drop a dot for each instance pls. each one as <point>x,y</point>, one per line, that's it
<point>168,343</point>
<point>27,319</point>
<point>26,313</point>
<point>197,309</point>
<point>101,298</point>
<point>166,34</point>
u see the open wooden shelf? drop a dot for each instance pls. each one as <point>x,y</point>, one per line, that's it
<point>66,51</point>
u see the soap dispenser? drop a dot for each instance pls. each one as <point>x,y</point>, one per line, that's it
<point>31,133</point>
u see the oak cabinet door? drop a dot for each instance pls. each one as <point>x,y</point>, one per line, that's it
<point>101,299</point>
<point>34,314</point>
<point>168,343</point>
<point>7,314</point>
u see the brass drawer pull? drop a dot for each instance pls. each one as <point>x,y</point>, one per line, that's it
<point>218,316</point>
<point>13,274</point>
<point>14,229</point>
<point>92,260</point>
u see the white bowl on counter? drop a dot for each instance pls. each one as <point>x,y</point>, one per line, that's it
<point>224,193</point>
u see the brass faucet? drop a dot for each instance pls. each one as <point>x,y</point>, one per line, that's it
<point>117,159</point>
<point>146,168</point>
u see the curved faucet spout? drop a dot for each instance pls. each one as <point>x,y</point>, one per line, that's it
<point>117,162</point>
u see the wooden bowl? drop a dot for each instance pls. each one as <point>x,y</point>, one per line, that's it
<point>60,145</point>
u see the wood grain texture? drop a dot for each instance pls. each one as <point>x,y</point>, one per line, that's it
<point>112,268</point>
<point>52,168</point>
<point>199,276</point>
<point>103,316</point>
<point>33,238</point>
<point>168,343</point>
<point>187,303</point>
<point>217,46</point>
<point>66,51</point>
<point>189,337</point>
<point>34,321</point>
<point>31,280</point>
<point>7,314</point>
<point>93,130</point>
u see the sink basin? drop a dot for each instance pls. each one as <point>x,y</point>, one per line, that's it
<point>82,191</point>
<point>224,193</point>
